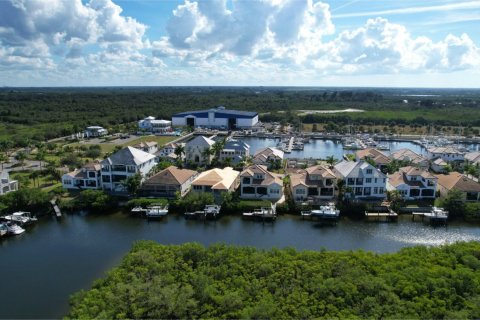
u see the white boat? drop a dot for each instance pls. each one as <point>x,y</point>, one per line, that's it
<point>13,228</point>
<point>3,229</point>
<point>328,211</point>
<point>383,146</point>
<point>212,209</point>
<point>436,213</point>
<point>138,210</point>
<point>21,217</point>
<point>156,211</point>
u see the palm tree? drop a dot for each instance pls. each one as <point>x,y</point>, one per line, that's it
<point>331,160</point>
<point>21,157</point>
<point>40,156</point>
<point>3,159</point>
<point>179,150</point>
<point>34,176</point>
<point>227,162</point>
<point>207,152</point>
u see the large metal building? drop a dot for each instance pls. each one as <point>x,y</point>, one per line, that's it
<point>218,118</point>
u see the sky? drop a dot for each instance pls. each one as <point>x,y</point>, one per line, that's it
<point>361,43</point>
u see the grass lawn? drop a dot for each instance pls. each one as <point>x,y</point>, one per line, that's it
<point>161,140</point>
<point>46,183</point>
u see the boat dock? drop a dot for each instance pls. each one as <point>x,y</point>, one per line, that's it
<point>324,213</point>
<point>435,216</point>
<point>210,211</point>
<point>262,214</point>
<point>381,213</point>
<point>56,209</point>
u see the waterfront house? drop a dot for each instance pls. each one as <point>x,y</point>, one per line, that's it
<point>268,156</point>
<point>148,146</point>
<point>439,165</point>
<point>455,180</point>
<point>95,131</point>
<point>87,177</point>
<point>413,183</point>
<point>151,125</point>
<point>235,150</point>
<point>216,181</point>
<point>314,184</point>
<point>123,164</point>
<point>407,155</point>
<point>7,185</point>
<point>380,159</point>
<point>196,150</point>
<point>216,118</point>
<point>447,154</point>
<point>256,182</point>
<point>169,182</point>
<point>364,180</point>
<point>473,158</point>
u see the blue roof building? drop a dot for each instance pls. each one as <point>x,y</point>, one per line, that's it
<point>216,118</point>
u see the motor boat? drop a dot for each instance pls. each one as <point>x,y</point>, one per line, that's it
<point>21,217</point>
<point>3,229</point>
<point>13,228</point>
<point>156,211</point>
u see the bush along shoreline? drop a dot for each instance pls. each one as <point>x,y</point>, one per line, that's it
<point>221,281</point>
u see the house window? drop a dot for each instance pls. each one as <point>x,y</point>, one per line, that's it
<point>248,190</point>
<point>67,181</point>
<point>367,191</point>
<point>91,174</point>
<point>368,180</point>
<point>384,180</point>
<point>376,180</point>
<point>197,188</point>
<point>274,191</point>
<point>258,176</point>
<point>350,181</point>
<point>358,191</point>
<point>328,182</point>
<point>106,179</point>
<point>369,171</point>
<point>375,190</point>
<point>381,191</point>
<point>300,191</point>
<point>246,180</point>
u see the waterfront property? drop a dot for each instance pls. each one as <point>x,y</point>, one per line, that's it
<point>455,180</point>
<point>268,156</point>
<point>439,165</point>
<point>95,131</point>
<point>473,158</point>
<point>148,146</point>
<point>151,125</point>
<point>216,181</point>
<point>123,164</point>
<point>256,182</point>
<point>87,177</point>
<point>364,180</point>
<point>407,155</point>
<point>315,184</point>
<point>7,185</point>
<point>216,118</point>
<point>447,154</point>
<point>198,150</point>
<point>169,182</point>
<point>413,183</point>
<point>235,150</point>
<point>380,159</point>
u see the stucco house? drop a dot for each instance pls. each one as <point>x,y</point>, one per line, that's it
<point>195,150</point>
<point>413,158</point>
<point>256,182</point>
<point>314,184</point>
<point>380,159</point>
<point>413,183</point>
<point>268,156</point>
<point>216,181</point>
<point>87,177</point>
<point>169,182</point>
<point>455,180</point>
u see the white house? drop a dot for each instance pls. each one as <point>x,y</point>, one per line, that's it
<point>236,150</point>
<point>87,177</point>
<point>195,150</point>
<point>267,156</point>
<point>413,183</point>
<point>445,153</point>
<point>150,124</point>
<point>256,182</point>
<point>314,184</point>
<point>364,180</point>
<point>123,164</point>
<point>148,146</point>
<point>7,185</point>
<point>217,118</point>
<point>95,131</point>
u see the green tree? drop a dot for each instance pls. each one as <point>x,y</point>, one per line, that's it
<point>3,159</point>
<point>331,160</point>
<point>40,156</point>
<point>21,157</point>
<point>454,203</point>
<point>132,183</point>
<point>179,151</point>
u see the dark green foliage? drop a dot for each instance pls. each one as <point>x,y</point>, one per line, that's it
<point>454,203</point>
<point>94,200</point>
<point>193,201</point>
<point>33,200</point>
<point>145,202</point>
<point>191,281</point>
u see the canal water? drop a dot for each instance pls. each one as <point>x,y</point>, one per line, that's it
<point>53,259</point>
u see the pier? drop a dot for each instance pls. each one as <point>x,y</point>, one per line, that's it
<point>210,211</point>
<point>56,209</point>
<point>381,213</point>
<point>435,216</point>
<point>262,214</point>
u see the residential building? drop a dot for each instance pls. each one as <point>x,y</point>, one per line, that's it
<point>123,164</point>
<point>439,165</point>
<point>380,159</point>
<point>364,180</point>
<point>150,124</point>
<point>196,150</point>
<point>7,185</point>
<point>236,150</point>
<point>87,177</point>
<point>455,180</point>
<point>95,131</point>
<point>148,146</point>
<point>315,184</point>
<point>445,153</point>
<point>256,182</point>
<point>268,156</point>
<point>413,183</point>
<point>413,158</point>
<point>169,182</point>
<point>473,157</point>
<point>216,118</point>
<point>216,181</point>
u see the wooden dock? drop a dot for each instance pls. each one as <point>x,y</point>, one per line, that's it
<point>56,209</point>
<point>390,216</point>
<point>262,214</point>
<point>436,216</point>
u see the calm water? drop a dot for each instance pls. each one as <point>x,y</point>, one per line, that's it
<point>53,259</point>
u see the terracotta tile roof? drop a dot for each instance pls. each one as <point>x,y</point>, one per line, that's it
<point>374,154</point>
<point>220,179</point>
<point>171,176</point>
<point>414,171</point>
<point>270,177</point>
<point>456,180</point>
<point>446,150</point>
<point>322,171</point>
<point>408,155</point>
<point>473,157</point>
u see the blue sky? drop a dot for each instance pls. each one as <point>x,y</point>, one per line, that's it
<point>240,42</point>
